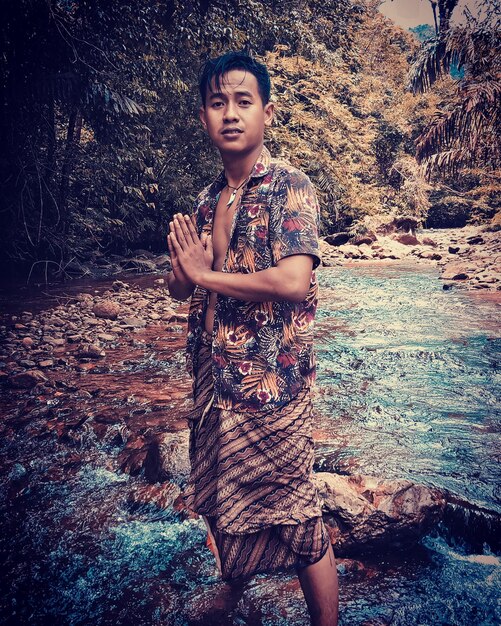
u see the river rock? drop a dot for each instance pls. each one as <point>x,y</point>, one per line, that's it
<point>27,342</point>
<point>85,300</point>
<point>91,351</point>
<point>429,254</point>
<point>119,285</point>
<point>367,514</point>
<point>169,315</point>
<point>488,277</point>
<point>27,363</point>
<point>134,322</point>
<point>106,309</point>
<point>28,379</point>
<point>106,337</point>
<point>337,239</point>
<point>139,264</point>
<point>388,252</point>
<point>54,341</point>
<point>91,321</point>
<point>407,239</point>
<point>402,223</point>
<point>475,240</point>
<point>428,241</point>
<point>46,363</point>
<point>350,251</point>
<point>458,271</point>
<point>167,457</point>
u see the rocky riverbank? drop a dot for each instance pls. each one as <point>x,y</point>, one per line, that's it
<point>468,258</point>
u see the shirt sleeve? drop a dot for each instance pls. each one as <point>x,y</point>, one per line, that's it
<point>294,218</point>
<point>199,209</point>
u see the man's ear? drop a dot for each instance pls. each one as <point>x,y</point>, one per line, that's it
<point>201,113</point>
<point>268,113</point>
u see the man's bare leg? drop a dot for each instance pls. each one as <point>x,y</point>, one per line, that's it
<point>320,587</point>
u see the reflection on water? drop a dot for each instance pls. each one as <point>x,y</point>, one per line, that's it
<point>407,384</point>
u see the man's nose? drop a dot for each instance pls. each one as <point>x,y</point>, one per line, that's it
<point>231,112</point>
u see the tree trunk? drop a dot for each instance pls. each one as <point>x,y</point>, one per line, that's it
<point>445,9</point>
<point>72,141</point>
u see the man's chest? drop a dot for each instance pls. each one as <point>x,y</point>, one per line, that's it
<point>240,230</point>
<point>222,228</point>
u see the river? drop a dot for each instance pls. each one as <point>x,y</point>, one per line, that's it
<point>408,387</point>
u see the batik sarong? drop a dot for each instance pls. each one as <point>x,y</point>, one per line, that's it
<point>250,480</point>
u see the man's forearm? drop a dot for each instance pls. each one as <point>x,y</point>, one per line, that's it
<point>180,290</point>
<point>271,284</point>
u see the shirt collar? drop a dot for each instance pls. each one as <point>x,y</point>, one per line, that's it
<point>261,167</point>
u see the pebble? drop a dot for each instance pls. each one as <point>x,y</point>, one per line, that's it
<point>46,363</point>
<point>106,337</point>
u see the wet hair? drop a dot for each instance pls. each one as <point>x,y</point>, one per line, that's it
<point>217,67</point>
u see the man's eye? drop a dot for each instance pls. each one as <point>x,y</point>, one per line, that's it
<point>216,104</point>
<point>245,102</point>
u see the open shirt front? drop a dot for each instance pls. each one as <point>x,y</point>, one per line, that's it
<point>262,352</point>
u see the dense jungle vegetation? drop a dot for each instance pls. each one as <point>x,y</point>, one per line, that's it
<point>101,141</point>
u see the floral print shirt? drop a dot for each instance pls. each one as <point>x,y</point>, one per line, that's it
<point>262,352</point>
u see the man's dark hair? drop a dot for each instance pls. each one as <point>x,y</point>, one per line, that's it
<point>216,68</point>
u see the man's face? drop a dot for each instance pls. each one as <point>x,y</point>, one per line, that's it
<point>235,117</point>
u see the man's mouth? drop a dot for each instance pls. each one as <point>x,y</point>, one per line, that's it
<point>232,131</point>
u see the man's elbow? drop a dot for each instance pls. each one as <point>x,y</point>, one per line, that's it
<point>301,294</point>
<point>294,277</point>
<point>296,291</point>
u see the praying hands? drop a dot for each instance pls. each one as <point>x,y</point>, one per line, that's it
<point>191,256</point>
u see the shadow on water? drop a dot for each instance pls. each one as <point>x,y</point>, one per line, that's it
<point>407,382</point>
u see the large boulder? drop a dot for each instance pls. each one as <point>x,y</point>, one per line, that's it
<point>400,223</point>
<point>337,239</point>
<point>361,238</point>
<point>367,514</point>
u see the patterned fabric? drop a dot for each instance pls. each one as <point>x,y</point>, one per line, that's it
<point>273,549</point>
<point>251,481</point>
<point>262,351</point>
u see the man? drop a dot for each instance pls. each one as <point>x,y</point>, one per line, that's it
<point>247,257</point>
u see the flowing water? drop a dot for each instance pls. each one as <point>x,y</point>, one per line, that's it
<point>407,382</point>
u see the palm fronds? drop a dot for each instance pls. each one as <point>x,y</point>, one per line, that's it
<point>466,131</point>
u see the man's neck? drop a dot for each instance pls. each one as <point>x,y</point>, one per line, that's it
<point>238,168</point>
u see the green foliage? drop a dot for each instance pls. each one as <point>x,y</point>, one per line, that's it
<point>465,131</point>
<point>423,32</point>
<point>102,138</point>
<point>100,131</point>
<point>387,146</point>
